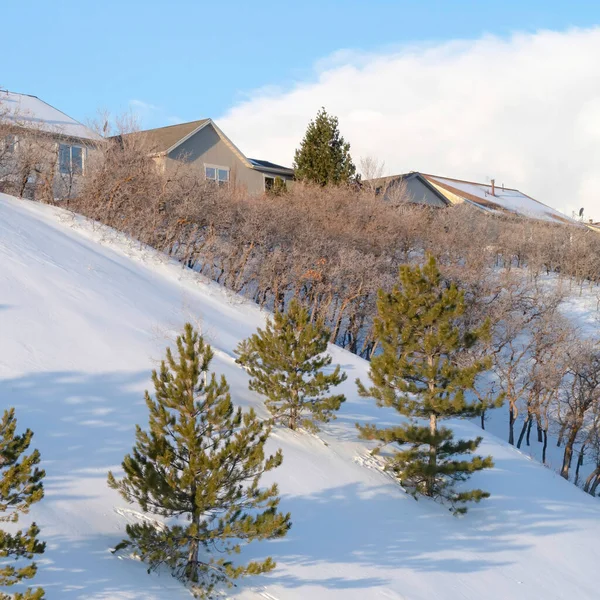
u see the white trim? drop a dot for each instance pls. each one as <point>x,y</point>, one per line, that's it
<point>71,172</point>
<point>217,169</point>
<point>223,137</point>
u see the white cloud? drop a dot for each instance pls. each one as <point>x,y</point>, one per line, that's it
<point>524,110</point>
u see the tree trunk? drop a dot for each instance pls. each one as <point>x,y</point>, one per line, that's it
<point>483,420</point>
<point>191,569</point>
<point>529,431</point>
<point>511,426</point>
<point>568,455</point>
<point>540,431</point>
<point>544,448</point>
<point>523,430</point>
<point>579,463</point>
<point>590,479</point>
<point>432,455</point>
<point>561,435</point>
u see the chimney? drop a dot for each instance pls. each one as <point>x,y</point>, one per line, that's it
<point>493,187</point>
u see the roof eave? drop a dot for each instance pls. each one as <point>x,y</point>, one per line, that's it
<point>283,171</point>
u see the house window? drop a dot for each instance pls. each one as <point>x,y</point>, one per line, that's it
<point>218,174</point>
<point>274,185</point>
<point>70,159</point>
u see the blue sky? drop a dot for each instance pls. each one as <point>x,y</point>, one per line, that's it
<point>469,89</point>
<point>192,59</point>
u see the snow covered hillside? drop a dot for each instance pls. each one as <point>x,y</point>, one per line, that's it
<point>83,320</point>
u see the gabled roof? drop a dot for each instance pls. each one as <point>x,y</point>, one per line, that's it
<point>30,112</point>
<point>164,140</point>
<point>384,182</point>
<point>504,200</point>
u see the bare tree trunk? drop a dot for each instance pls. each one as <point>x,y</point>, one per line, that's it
<point>561,435</point>
<point>511,426</point>
<point>545,446</point>
<point>579,463</point>
<point>568,455</point>
<point>529,431</point>
<point>523,430</point>
<point>483,420</point>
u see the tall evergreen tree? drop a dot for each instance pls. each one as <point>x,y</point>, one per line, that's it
<point>418,373</point>
<point>20,487</point>
<point>324,156</point>
<point>286,362</point>
<point>200,461</point>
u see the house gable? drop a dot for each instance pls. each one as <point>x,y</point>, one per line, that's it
<point>416,187</point>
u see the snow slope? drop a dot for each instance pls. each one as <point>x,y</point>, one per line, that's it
<point>83,319</point>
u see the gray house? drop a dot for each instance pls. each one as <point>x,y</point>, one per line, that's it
<point>43,151</point>
<point>411,187</point>
<point>202,144</point>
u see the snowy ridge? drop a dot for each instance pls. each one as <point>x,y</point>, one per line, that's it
<point>84,317</point>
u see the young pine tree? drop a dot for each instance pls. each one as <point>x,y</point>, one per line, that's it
<point>418,373</point>
<point>201,461</point>
<point>324,157</point>
<point>20,487</point>
<point>286,362</point>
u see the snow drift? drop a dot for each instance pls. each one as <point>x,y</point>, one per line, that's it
<point>85,316</point>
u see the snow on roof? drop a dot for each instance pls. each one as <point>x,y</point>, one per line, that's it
<point>502,200</point>
<point>30,111</point>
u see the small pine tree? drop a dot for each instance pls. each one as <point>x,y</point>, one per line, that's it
<point>201,461</point>
<point>324,157</point>
<point>418,374</point>
<point>278,188</point>
<point>20,487</point>
<point>286,362</point>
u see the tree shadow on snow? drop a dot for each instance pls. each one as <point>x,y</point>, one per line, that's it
<point>374,526</point>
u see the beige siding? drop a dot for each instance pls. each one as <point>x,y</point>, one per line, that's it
<point>207,148</point>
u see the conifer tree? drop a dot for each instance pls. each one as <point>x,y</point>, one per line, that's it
<point>200,461</point>
<point>418,374</point>
<point>324,157</point>
<point>20,487</point>
<point>286,362</point>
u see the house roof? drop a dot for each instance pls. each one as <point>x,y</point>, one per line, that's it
<point>391,179</point>
<point>30,112</point>
<point>503,200</point>
<point>164,140</point>
<point>265,165</point>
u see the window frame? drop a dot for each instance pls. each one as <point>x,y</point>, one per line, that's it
<point>69,170</point>
<point>265,177</point>
<point>273,177</point>
<point>218,168</point>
